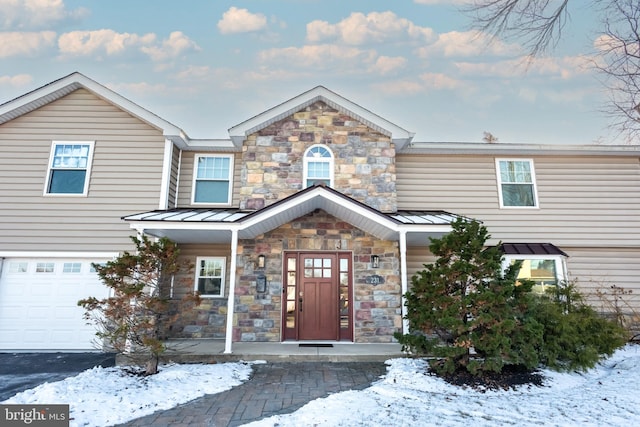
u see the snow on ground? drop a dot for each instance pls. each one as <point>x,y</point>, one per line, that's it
<point>604,396</point>
<point>108,396</point>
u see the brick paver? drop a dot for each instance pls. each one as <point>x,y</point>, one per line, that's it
<point>274,388</point>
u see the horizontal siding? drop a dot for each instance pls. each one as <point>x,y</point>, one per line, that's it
<point>186,179</point>
<point>125,177</point>
<point>587,201</point>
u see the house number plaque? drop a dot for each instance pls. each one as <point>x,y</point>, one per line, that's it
<point>375,280</point>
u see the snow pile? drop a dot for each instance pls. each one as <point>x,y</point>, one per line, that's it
<point>606,395</point>
<point>107,396</point>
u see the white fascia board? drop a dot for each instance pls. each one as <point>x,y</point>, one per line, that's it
<point>74,81</point>
<point>520,149</point>
<point>426,228</point>
<point>182,225</point>
<point>53,254</point>
<point>211,145</point>
<point>310,196</point>
<point>400,136</point>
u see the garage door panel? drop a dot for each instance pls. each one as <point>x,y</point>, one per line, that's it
<point>39,311</point>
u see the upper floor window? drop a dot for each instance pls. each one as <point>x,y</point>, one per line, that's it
<point>69,168</point>
<point>318,166</point>
<point>212,179</point>
<point>516,183</point>
<point>210,277</point>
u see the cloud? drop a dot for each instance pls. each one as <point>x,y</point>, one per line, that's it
<point>359,29</point>
<point>18,80</point>
<point>564,68</point>
<point>438,81</point>
<point>467,44</point>
<point>399,87</point>
<point>387,64</point>
<point>25,44</point>
<point>36,14</point>
<point>82,43</point>
<point>108,42</point>
<point>237,20</point>
<point>326,56</point>
<point>174,46</point>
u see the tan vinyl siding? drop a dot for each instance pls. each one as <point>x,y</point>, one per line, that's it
<point>125,177</point>
<point>186,179</point>
<point>587,201</point>
<point>594,270</point>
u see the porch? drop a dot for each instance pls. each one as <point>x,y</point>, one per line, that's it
<point>212,351</point>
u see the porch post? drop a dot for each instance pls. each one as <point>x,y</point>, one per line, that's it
<point>232,292</point>
<point>403,279</point>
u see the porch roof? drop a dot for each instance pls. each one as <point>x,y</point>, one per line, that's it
<point>210,225</point>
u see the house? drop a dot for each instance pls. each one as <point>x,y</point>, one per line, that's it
<point>306,224</point>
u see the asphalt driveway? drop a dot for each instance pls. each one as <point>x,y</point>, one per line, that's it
<point>22,371</point>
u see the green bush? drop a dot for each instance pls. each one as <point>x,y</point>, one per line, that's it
<point>469,314</point>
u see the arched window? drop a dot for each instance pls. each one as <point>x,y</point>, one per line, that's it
<point>318,166</point>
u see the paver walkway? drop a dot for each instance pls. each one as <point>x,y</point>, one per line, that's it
<point>274,388</point>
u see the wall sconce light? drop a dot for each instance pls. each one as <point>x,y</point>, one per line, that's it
<point>261,261</point>
<point>375,261</point>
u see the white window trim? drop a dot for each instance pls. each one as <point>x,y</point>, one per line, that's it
<point>560,261</point>
<point>195,177</point>
<point>533,182</point>
<point>87,178</point>
<point>331,160</point>
<point>223,278</point>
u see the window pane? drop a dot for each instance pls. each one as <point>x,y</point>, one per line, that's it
<point>67,181</point>
<point>71,267</point>
<point>18,267</point>
<point>213,168</point>
<point>209,286</point>
<point>212,192</point>
<point>518,195</point>
<point>45,267</point>
<point>515,171</point>
<point>541,271</point>
<point>318,170</point>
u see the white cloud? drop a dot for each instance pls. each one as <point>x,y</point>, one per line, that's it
<point>25,44</point>
<point>467,44</point>
<point>237,20</point>
<point>174,46</point>
<point>82,43</point>
<point>399,87</point>
<point>36,14</point>
<point>564,68</point>
<point>18,80</point>
<point>387,64</point>
<point>376,27</point>
<point>326,56</point>
<point>438,81</point>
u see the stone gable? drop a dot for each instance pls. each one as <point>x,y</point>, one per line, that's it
<point>364,159</point>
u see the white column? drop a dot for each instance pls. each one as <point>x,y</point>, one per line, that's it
<point>403,279</point>
<point>166,174</point>
<point>232,292</point>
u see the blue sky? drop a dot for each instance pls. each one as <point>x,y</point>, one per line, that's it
<point>207,65</point>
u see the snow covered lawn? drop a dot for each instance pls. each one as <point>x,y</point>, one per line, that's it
<point>605,396</point>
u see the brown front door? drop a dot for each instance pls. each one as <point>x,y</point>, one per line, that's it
<point>316,296</point>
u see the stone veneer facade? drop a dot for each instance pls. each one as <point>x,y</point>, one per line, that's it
<point>271,170</point>
<point>376,308</point>
<point>272,159</point>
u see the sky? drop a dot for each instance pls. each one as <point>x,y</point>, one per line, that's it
<point>406,396</point>
<point>208,65</point>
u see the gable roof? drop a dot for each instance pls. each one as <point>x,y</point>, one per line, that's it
<point>74,81</point>
<point>214,225</point>
<point>398,135</point>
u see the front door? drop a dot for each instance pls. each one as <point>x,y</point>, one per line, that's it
<point>317,296</point>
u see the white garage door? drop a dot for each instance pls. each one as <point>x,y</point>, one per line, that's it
<point>39,304</point>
